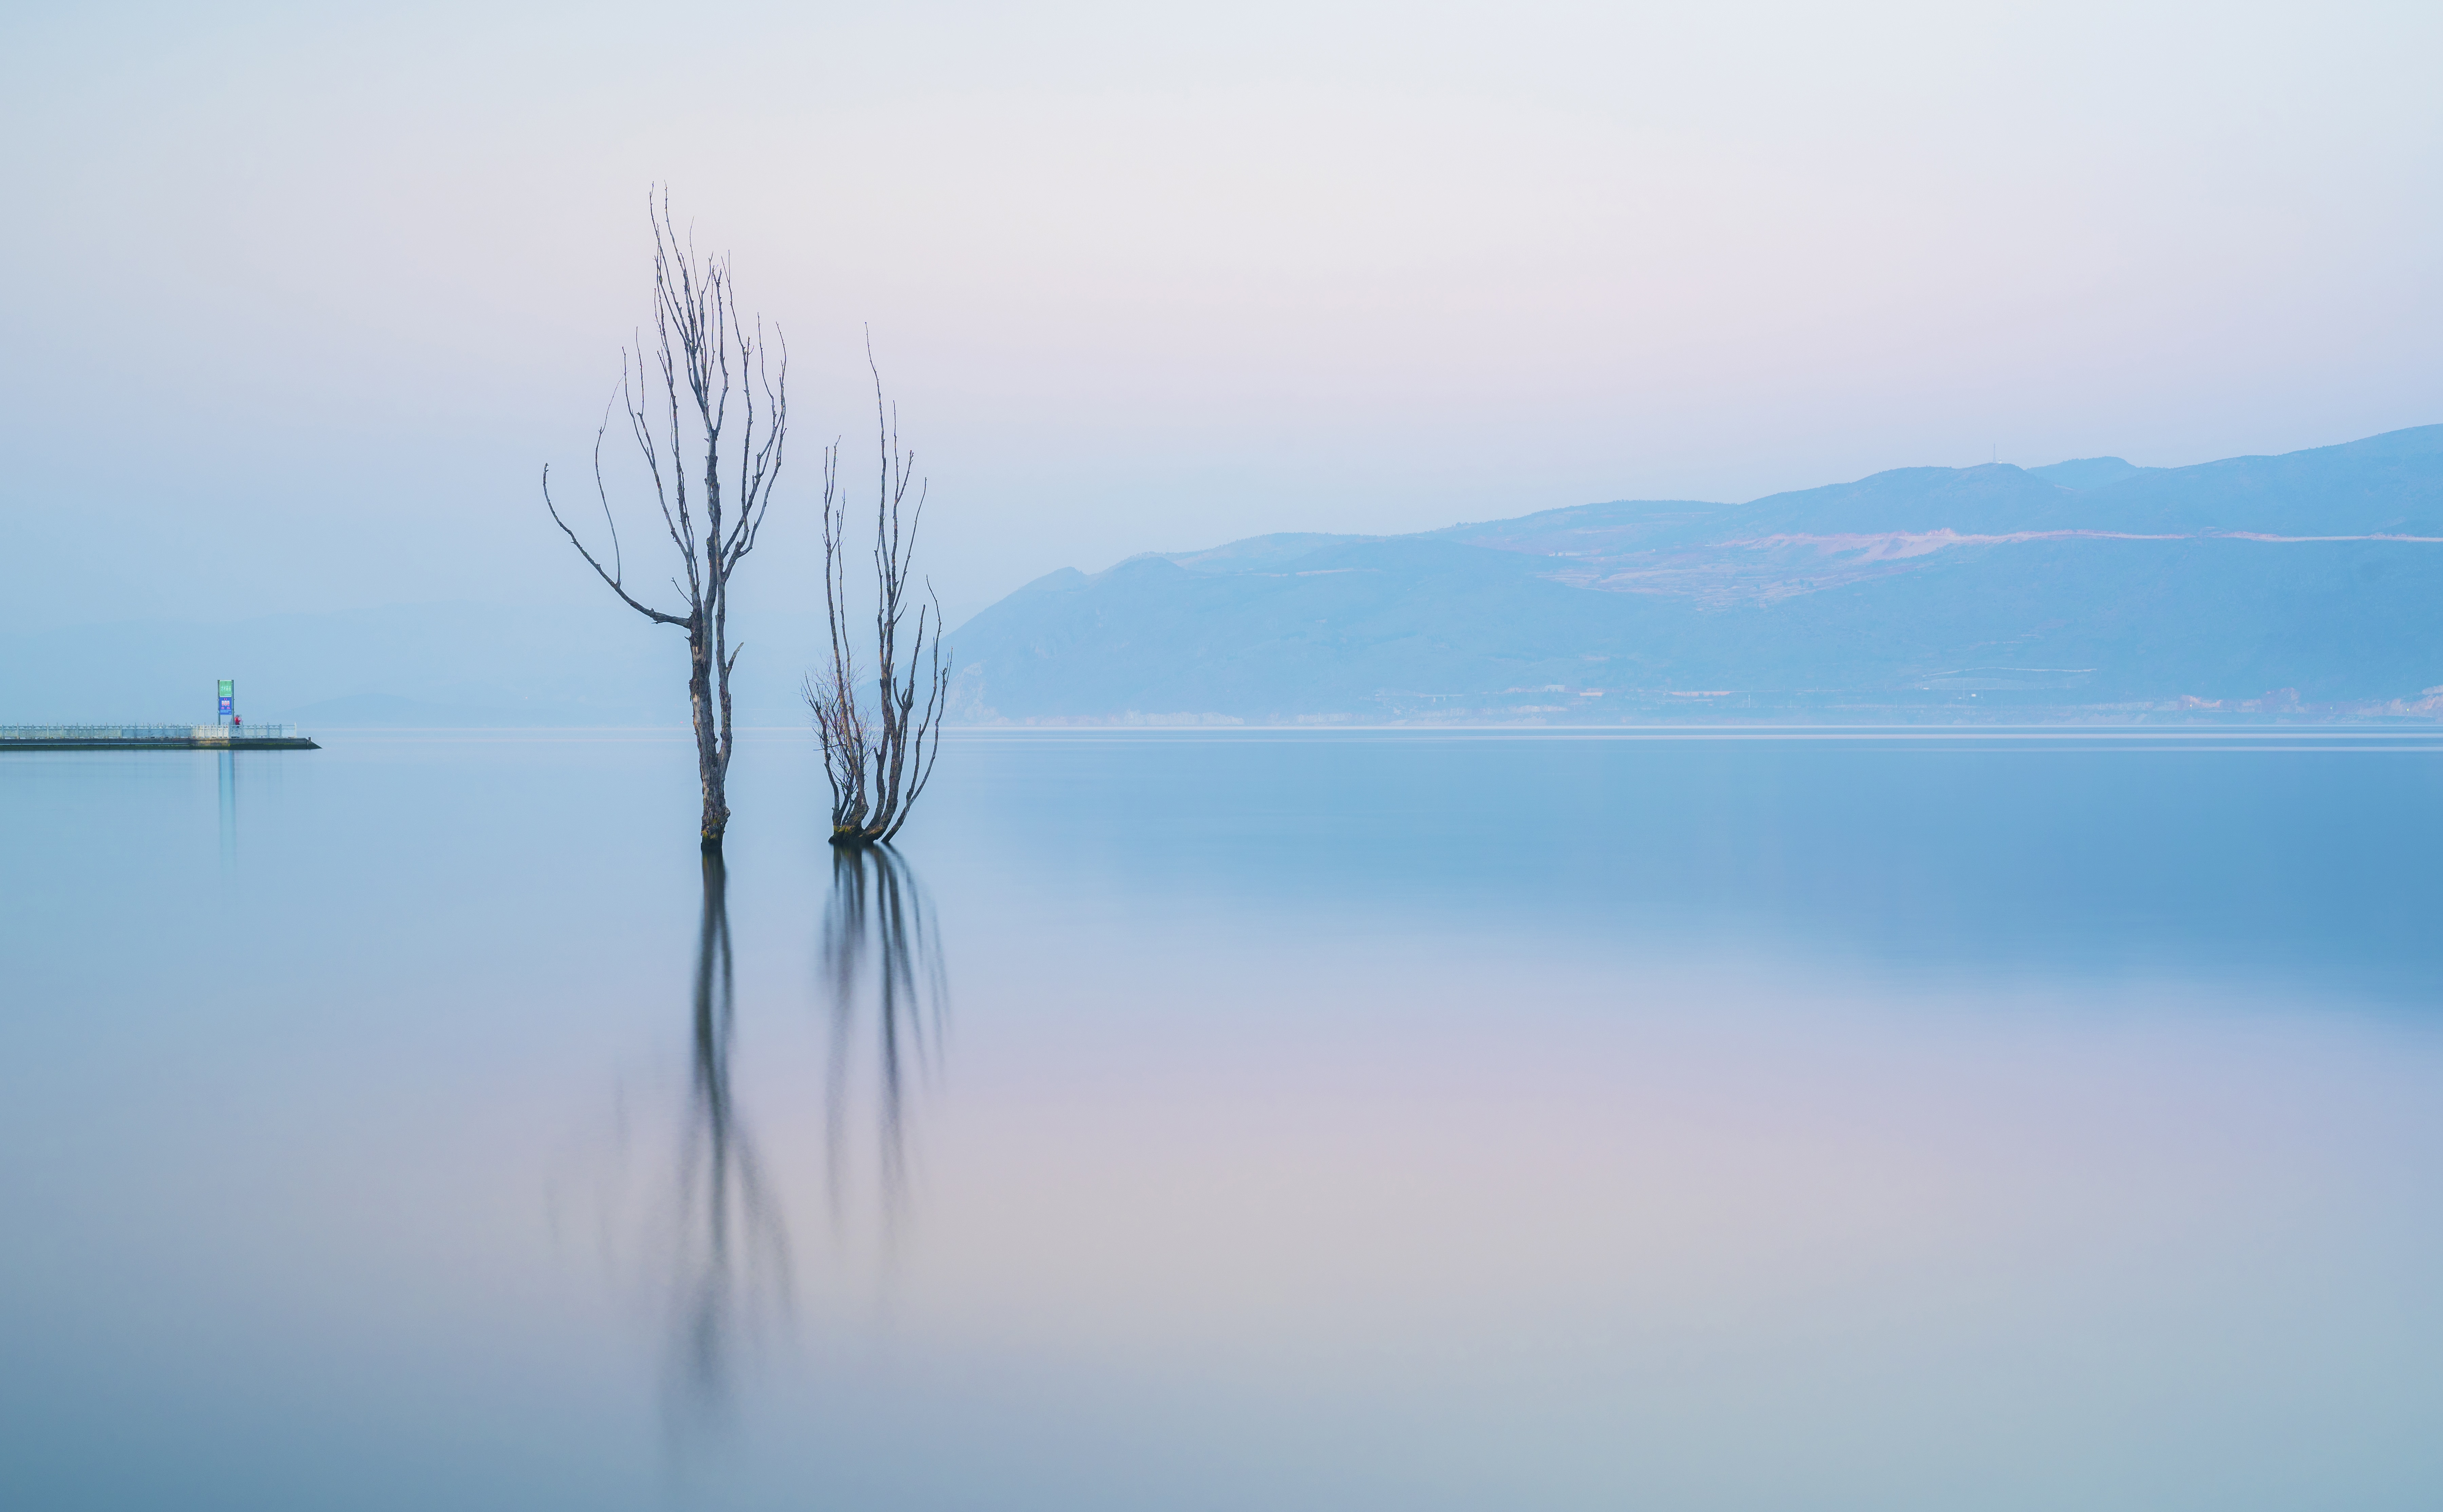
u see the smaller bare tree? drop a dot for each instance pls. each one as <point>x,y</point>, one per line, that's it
<point>878,760</point>
<point>707,356</point>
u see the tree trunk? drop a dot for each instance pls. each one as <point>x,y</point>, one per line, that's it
<point>709,758</point>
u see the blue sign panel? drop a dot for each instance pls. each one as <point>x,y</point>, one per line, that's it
<point>229,705</point>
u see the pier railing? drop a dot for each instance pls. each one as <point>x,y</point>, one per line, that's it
<point>177,735</point>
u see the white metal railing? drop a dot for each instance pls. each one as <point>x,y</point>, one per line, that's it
<point>221,732</point>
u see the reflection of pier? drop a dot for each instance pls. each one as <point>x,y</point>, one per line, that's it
<point>154,737</point>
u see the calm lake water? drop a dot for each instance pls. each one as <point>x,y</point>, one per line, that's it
<point>1253,1120</point>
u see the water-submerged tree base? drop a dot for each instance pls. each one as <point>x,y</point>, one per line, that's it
<point>878,762</point>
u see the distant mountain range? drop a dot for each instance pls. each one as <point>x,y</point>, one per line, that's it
<point>2308,585</point>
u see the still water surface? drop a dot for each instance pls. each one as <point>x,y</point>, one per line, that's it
<point>1228,1121</point>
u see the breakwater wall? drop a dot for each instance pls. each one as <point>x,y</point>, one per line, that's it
<point>154,737</point>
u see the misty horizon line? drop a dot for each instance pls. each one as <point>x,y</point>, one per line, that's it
<point>573,600</point>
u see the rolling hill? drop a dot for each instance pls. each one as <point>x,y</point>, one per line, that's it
<point>2308,585</point>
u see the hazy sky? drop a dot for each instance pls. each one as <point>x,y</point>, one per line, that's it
<point>300,299</point>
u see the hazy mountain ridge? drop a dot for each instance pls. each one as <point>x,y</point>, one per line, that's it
<point>1914,593</point>
<point>2306,583</point>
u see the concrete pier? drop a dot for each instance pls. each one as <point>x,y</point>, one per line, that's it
<point>154,737</point>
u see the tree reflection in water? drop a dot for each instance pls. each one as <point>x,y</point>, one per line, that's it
<point>882,958</point>
<point>731,1265</point>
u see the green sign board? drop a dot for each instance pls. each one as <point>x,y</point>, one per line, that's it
<point>229,687</point>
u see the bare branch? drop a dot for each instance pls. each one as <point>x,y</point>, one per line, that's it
<point>611,578</point>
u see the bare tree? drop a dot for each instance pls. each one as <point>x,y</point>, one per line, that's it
<point>878,761</point>
<point>706,356</point>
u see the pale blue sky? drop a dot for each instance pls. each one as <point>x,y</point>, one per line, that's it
<point>300,302</point>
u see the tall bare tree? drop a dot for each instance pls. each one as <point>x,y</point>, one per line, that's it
<point>704,356</point>
<point>878,759</point>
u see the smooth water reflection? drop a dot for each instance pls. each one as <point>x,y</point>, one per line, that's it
<point>885,985</point>
<point>1335,1121</point>
<point>882,989</point>
<point>729,1234</point>
<point>227,762</point>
